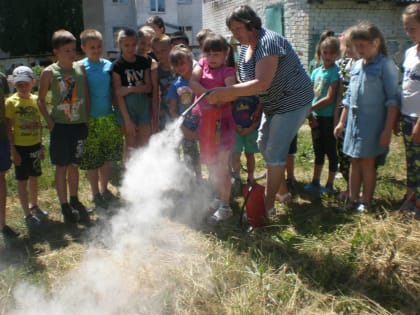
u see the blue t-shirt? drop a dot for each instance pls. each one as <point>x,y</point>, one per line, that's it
<point>99,83</point>
<point>321,79</point>
<point>181,92</point>
<point>242,110</point>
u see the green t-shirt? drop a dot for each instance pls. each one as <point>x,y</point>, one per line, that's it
<point>68,95</point>
<point>4,91</point>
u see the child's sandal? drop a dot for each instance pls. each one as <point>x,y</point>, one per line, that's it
<point>285,198</point>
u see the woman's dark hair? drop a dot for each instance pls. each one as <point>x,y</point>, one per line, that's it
<point>245,15</point>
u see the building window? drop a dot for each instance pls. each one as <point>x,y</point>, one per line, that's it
<point>115,31</point>
<point>157,5</point>
<point>184,1</point>
<point>188,31</point>
<point>120,1</point>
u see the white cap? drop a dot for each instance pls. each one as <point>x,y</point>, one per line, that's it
<point>23,74</point>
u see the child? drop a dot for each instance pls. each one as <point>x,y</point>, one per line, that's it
<point>180,97</point>
<point>66,122</point>
<point>145,35</point>
<point>410,109</point>
<point>157,23</point>
<point>104,142</point>
<point>371,109</point>
<point>325,81</point>
<point>25,135</point>
<point>345,63</point>
<point>131,82</point>
<point>246,113</point>
<point>180,37</point>
<point>212,72</point>
<point>161,45</point>
<point>5,161</point>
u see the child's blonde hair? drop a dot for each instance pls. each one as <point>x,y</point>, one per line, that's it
<point>412,11</point>
<point>180,52</point>
<point>61,37</point>
<point>369,31</point>
<point>90,34</point>
<point>162,39</point>
<point>145,30</point>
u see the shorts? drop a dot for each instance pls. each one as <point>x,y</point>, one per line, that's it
<point>103,143</point>
<point>248,142</point>
<point>66,144</point>
<point>5,161</point>
<point>293,146</point>
<point>138,109</point>
<point>276,133</point>
<point>31,161</point>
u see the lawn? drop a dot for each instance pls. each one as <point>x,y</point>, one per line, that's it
<point>156,254</point>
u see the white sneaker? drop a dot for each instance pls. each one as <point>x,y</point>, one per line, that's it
<point>271,213</point>
<point>215,204</point>
<point>222,213</point>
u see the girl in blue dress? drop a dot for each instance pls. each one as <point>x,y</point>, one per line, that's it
<point>370,109</point>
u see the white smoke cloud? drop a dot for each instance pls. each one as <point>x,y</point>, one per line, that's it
<point>129,262</point>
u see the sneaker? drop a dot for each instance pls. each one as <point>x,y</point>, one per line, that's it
<point>363,207</point>
<point>99,201</point>
<point>36,209</point>
<point>215,204</point>
<point>9,232</point>
<point>81,209</point>
<point>222,213</point>
<point>271,213</point>
<point>32,220</point>
<point>311,187</point>
<point>108,196</point>
<point>70,214</point>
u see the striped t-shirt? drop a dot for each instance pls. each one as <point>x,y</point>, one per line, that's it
<point>291,87</point>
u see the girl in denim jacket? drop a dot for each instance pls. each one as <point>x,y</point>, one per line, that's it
<point>371,110</point>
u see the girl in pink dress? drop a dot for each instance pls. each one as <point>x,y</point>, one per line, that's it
<point>217,127</point>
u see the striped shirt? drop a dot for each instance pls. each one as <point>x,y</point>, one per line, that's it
<point>291,87</point>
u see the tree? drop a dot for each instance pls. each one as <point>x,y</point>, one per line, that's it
<point>26,26</point>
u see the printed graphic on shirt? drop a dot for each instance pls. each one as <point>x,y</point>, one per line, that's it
<point>318,86</point>
<point>28,124</point>
<point>134,77</point>
<point>69,103</point>
<point>185,95</point>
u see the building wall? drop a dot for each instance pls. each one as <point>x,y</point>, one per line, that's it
<point>296,19</point>
<point>191,15</point>
<point>304,22</point>
<point>169,16</point>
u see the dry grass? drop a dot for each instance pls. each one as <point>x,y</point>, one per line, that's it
<point>310,260</point>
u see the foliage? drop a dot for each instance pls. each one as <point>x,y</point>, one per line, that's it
<point>26,26</point>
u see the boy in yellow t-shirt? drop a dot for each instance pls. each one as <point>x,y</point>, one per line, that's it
<point>23,121</point>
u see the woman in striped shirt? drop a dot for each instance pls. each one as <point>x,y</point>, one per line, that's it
<point>270,68</point>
